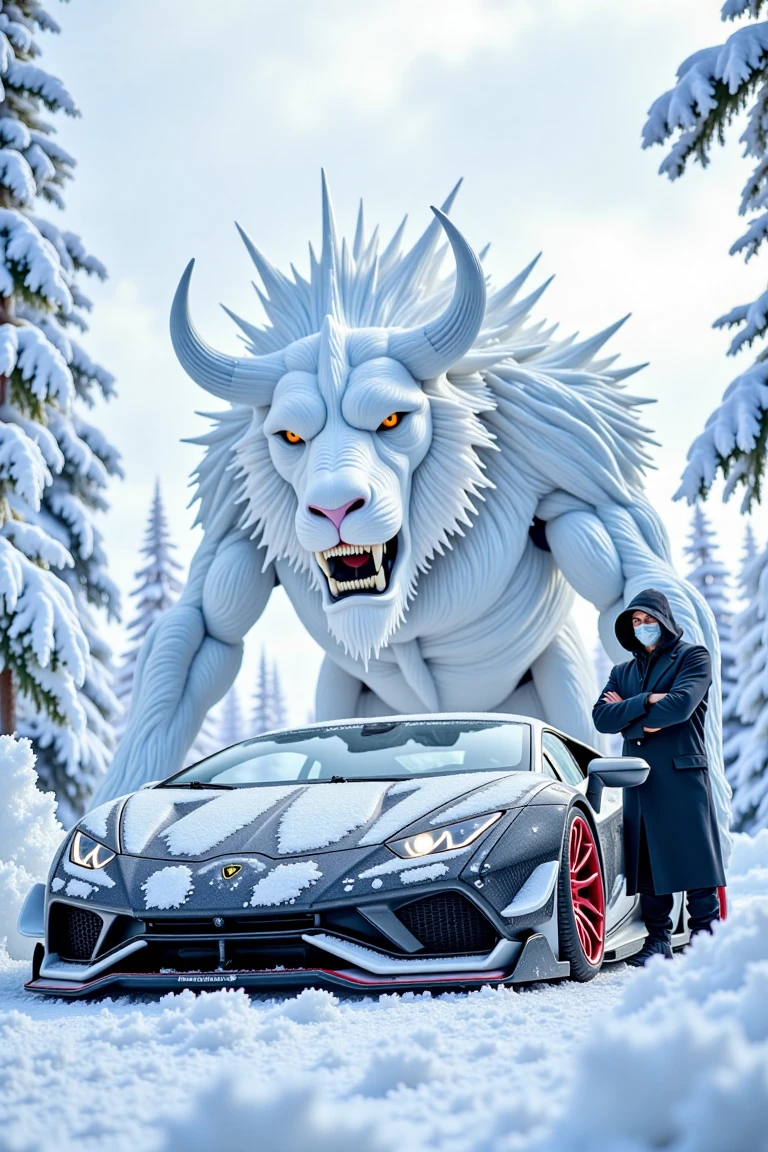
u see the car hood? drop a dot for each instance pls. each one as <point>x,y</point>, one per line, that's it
<point>285,820</point>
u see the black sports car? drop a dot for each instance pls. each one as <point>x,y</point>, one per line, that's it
<point>398,853</point>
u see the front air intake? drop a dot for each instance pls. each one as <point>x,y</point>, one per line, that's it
<point>448,923</point>
<point>74,932</point>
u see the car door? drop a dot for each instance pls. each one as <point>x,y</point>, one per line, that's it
<point>571,759</point>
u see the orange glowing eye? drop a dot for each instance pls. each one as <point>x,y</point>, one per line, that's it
<point>292,437</point>
<point>391,421</point>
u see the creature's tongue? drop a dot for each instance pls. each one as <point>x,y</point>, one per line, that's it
<point>356,561</point>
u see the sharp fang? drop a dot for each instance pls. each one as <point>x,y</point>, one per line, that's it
<point>333,587</point>
<point>377,551</point>
<point>323,563</point>
<point>381,580</point>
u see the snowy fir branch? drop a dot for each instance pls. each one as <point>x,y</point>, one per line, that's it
<point>55,467</point>
<point>714,85</point>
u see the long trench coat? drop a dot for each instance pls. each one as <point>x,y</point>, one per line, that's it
<point>675,804</point>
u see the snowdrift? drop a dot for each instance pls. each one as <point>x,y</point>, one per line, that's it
<point>681,1064</point>
<point>29,836</point>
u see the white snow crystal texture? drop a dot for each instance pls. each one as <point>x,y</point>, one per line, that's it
<point>220,818</point>
<point>325,813</point>
<point>284,883</point>
<point>168,887</point>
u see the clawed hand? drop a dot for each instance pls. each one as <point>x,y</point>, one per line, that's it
<point>612,698</point>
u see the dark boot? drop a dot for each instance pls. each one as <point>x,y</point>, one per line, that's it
<point>654,946</point>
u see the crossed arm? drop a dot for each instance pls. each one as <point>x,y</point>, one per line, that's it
<point>661,709</point>
<point>613,714</point>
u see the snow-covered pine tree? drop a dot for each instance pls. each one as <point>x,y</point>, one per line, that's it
<point>158,587</point>
<point>206,742</point>
<point>279,707</point>
<point>261,711</point>
<point>231,728</point>
<point>713,86</point>
<point>54,465</point>
<point>734,729</point>
<point>710,576</point>
<point>749,768</point>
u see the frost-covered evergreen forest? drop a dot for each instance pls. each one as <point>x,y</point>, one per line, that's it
<point>716,86</point>
<point>188,122</point>
<point>55,464</point>
<point>713,86</point>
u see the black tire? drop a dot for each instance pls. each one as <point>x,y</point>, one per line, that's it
<point>584,966</point>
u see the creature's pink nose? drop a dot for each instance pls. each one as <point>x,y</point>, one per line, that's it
<point>336,515</point>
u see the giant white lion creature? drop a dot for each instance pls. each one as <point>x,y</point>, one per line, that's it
<point>431,476</point>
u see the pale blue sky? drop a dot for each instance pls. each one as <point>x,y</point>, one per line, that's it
<point>195,115</point>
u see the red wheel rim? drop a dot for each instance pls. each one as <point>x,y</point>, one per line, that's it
<point>587,897</point>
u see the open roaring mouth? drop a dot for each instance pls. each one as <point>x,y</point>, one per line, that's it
<point>354,568</point>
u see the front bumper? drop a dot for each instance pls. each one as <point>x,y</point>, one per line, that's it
<point>369,922</point>
<point>533,961</point>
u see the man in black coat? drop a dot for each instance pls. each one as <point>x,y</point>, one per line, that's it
<point>658,701</point>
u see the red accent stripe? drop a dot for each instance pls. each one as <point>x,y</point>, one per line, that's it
<point>427,978</point>
<point>722,898</point>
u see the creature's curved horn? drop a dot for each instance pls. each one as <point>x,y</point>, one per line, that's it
<point>431,349</point>
<point>238,379</point>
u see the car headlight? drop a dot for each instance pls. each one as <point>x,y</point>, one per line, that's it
<point>443,839</point>
<point>89,853</point>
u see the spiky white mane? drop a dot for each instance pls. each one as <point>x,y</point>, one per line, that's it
<point>521,407</point>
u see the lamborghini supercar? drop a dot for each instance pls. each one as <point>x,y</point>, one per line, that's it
<point>405,852</point>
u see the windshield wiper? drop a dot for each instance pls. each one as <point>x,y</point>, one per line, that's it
<point>198,784</point>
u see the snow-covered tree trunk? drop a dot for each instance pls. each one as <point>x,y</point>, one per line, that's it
<point>54,465</point>
<point>158,586</point>
<point>713,86</point>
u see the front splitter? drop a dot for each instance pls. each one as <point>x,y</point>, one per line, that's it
<point>536,962</point>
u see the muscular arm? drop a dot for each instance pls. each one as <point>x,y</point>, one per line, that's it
<point>189,659</point>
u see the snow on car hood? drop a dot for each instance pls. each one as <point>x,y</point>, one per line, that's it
<point>291,819</point>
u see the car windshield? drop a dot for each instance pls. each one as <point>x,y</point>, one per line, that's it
<point>391,750</point>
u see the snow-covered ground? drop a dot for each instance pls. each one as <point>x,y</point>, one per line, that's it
<point>672,1057</point>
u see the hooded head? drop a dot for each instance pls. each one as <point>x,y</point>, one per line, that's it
<point>655,604</point>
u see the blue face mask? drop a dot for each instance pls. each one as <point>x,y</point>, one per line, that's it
<point>648,634</point>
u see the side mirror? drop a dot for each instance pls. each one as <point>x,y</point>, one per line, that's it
<point>614,772</point>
